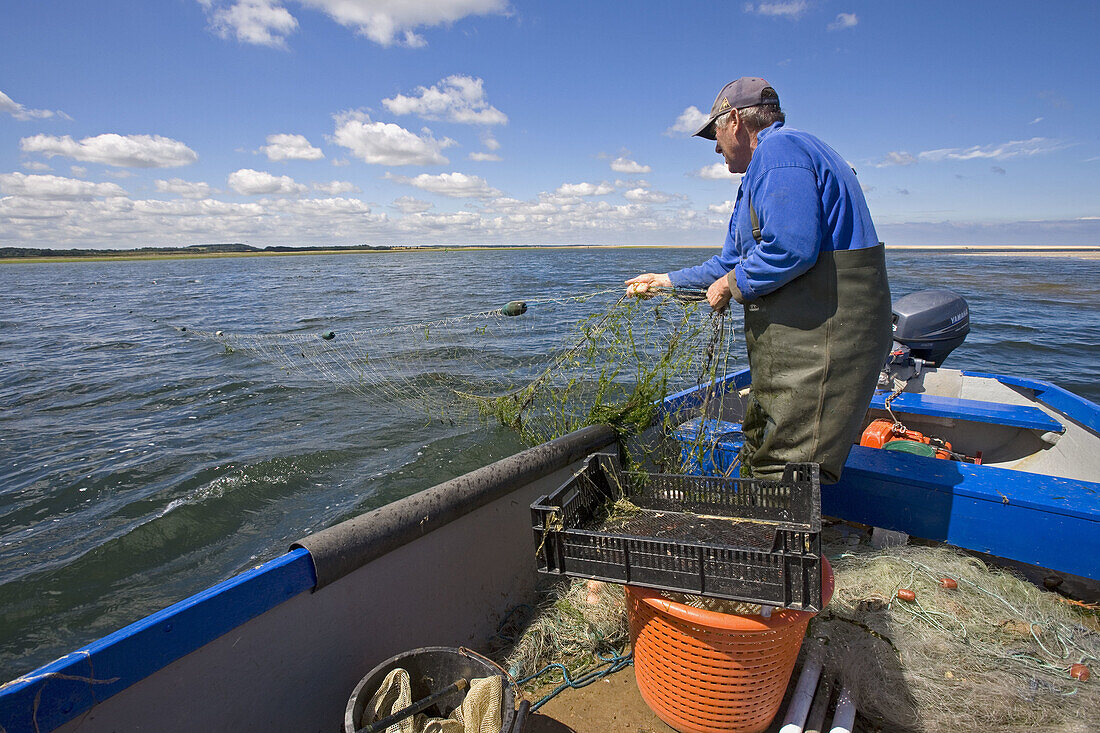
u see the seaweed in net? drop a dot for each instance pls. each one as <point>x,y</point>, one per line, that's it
<point>622,363</point>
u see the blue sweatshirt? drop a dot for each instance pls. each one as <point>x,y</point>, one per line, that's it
<point>807,199</point>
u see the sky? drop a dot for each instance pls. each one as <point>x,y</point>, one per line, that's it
<point>436,122</point>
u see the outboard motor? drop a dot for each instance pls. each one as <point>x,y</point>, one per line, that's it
<point>928,325</point>
<point>932,323</point>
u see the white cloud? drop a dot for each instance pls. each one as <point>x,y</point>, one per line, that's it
<point>19,112</point>
<point>79,171</point>
<point>185,189</point>
<point>623,165</point>
<point>780,8</point>
<point>248,182</point>
<point>844,20</point>
<point>36,165</point>
<point>335,188</point>
<point>645,196</point>
<point>483,157</point>
<point>410,205</point>
<point>896,157</point>
<point>383,143</point>
<point>690,120</point>
<point>127,151</point>
<point>290,147</point>
<point>723,209</point>
<point>55,187</point>
<point>585,189</point>
<point>1036,121</point>
<point>259,22</point>
<point>715,172</point>
<point>455,185</point>
<point>454,99</point>
<point>387,22</point>
<point>999,151</point>
<point>489,141</point>
<point>319,207</point>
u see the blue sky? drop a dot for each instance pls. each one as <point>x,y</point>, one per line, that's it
<point>175,122</point>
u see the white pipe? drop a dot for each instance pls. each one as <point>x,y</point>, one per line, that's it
<point>803,694</point>
<point>845,716</point>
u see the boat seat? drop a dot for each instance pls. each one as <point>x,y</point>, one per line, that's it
<point>995,413</point>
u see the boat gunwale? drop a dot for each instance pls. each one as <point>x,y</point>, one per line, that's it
<point>80,680</point>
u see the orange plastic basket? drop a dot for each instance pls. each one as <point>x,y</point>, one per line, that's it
<point>707,672</point>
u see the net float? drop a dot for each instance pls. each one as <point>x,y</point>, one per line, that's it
<point>949,583</point>
<point>1079,672</point>
<point>907,595</point>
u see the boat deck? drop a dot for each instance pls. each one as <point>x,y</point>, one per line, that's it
<point>614,705</point>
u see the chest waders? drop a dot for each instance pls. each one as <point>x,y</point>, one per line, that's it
<point>816,346</point>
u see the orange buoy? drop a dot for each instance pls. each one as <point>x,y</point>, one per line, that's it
<point>949,583</point>
<point>1079,672</point>
<point>906,595</point>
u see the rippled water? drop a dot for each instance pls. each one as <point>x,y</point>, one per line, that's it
<point>139,465</point>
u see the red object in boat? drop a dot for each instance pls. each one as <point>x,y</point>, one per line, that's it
<point>1079,672</point>
<point>949,583</point>
<point>907,595</point>
<point>882,431</point>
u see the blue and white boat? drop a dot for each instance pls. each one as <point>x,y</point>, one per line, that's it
<point>280,647</point>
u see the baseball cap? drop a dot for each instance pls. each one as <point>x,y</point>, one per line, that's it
<point>748,91</point>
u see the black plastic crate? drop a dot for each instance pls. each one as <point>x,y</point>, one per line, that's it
<point>746,540</point>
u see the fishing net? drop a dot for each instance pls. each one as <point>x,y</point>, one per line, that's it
<point>579,623</point>
<point>994,653</point>
<point>542,366</point>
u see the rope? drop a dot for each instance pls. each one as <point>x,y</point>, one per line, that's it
<point>606,667</point>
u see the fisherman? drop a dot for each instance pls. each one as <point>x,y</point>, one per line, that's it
<point>802,257</point>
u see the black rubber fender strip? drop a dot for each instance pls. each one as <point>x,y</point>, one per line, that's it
<point>347,546</point>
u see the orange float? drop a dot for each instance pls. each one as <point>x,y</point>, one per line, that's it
<point>882,431</point>
<point>707,672</point>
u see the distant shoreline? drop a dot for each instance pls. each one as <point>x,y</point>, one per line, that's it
<point>1080,251</point>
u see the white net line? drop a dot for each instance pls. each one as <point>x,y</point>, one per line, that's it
<point>559,352</point>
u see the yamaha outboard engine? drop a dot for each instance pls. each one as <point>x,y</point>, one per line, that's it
<point>928,325</point>
<point>931,323</point>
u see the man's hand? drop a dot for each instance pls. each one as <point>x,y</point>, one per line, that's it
<point>718,294</point>
<point>641,285</point>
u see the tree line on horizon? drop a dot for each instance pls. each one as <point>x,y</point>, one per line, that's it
<point>233,247</point>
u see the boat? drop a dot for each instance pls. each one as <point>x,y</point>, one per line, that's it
<point>281,646</point>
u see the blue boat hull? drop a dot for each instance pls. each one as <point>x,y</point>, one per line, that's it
<point>1038,518</point>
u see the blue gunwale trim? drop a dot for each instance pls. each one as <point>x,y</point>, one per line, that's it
<point>1072,406</point>
<point>994,413</point>
<point>73,684</point>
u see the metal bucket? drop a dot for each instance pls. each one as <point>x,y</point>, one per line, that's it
<point>431,669</point>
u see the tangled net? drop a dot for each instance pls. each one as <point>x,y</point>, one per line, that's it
<point>578,623</point>
<point>994,654</point>
<point>544,367</point>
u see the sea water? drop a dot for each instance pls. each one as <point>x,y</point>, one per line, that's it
<point>139,464</point>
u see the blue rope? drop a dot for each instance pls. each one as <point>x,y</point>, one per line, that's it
<point>607,666</point>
